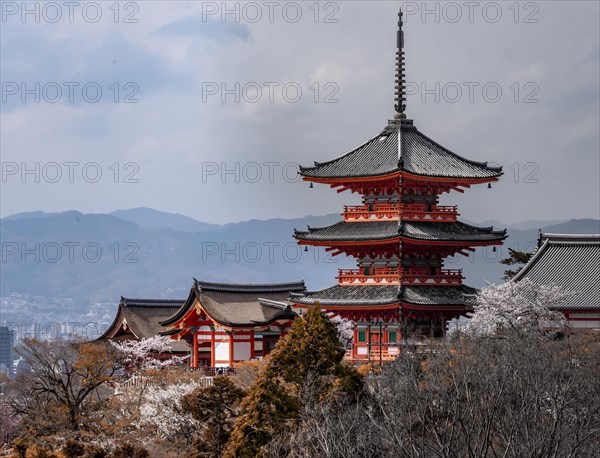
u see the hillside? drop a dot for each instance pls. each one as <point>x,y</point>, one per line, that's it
<point>74,266</point>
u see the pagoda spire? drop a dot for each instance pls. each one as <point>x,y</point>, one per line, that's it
<point>400,92</point>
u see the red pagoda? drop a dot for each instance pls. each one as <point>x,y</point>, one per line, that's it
<point>400,235</point>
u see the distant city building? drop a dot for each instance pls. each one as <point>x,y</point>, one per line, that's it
<point>571,261</point>
<point>7,342</point>
<point>22,367</point>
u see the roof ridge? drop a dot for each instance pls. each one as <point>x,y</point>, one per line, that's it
<point>249,287</point>
<point>140,302</point>
<point>566,238</point>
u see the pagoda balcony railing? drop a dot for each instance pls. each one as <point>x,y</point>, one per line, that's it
<point>419,276</point>
<point>373,276</point>
<point>374,212</point>
<point>396,211</point>
<point>398,276</point>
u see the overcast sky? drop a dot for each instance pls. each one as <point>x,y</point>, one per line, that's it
<point>167,150</point>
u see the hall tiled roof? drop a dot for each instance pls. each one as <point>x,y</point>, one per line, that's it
<point>239,305</point>
<point>570,261</point>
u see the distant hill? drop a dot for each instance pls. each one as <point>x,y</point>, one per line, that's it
<point>148,218</point>
<point>483,266</point>
<point>76,266</point>
<point>28,215</point>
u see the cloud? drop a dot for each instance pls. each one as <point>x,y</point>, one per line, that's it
<point>172,131</point>
<point>211,29</point>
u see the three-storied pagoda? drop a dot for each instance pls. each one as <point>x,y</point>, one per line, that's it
<point>400,235</point>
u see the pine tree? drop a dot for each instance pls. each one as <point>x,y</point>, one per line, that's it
<point>216,408</point>
<point>515,257</point>
<point>266,408</point>
<point>305,367</point>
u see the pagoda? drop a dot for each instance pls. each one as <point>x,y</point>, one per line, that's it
<point>400,235</point>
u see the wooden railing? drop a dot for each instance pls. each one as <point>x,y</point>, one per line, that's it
<point>214,371</point>
<point>397,276</point>
<point>374,212</point>
<point>420,212</point>
<point>375,355</point>
<point>415,276</point>
<point>396,211</point>
<point>376,276</point>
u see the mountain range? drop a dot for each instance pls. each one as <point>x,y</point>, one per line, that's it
<point>75,266</point>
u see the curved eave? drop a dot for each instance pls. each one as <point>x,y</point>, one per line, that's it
<point>115,325</point>
<point>256,324</point>
<point>388,175</point>
<point>443,307</point>
<point>180,314</point>
<point>416,241</point>
<point>446,178</point>
<point>331,304</point>
<point>176,333</point>
<point>397,174</point>
<point>424,241</point>
<point>376,241</point>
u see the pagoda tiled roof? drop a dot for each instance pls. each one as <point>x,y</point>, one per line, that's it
<point>401,147</point>
<point>571,261</point>
<point>440,295</point>
<point>239,305</point>
<point>390,230</point>
<point>376,295</point>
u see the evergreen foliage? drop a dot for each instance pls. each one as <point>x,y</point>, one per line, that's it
<point>305,368</point>
<point>215,407</point>
<point>515,257</point>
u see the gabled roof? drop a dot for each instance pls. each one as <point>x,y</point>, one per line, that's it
<point>391,230</point>
<point>142,317</point>
<point>239,305</point>
<point>375,295</point>
<point>400,147</point>
<point>571,261</point>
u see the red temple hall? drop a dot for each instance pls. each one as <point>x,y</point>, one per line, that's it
<point>400,235</point>
<point>227,323</point>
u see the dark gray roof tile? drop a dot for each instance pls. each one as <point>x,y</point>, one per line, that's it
<point>572,262</point>
<point>383,230</point>
<point>371,295</point>
<point>419,155</point>
<point>240,305</point>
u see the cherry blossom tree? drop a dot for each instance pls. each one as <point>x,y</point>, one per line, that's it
<point>142,355</point>
<point>161,414</point>
<point>517,306</point>
<point>345,329</point>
